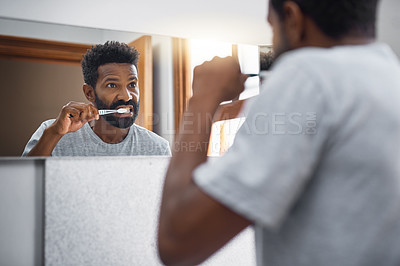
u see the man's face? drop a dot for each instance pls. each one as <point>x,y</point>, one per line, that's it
<point>280,42</point>
<point>117,87</point>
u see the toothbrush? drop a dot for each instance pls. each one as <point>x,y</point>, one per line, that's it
<point>106,112</point>
<point>252,75</point>
<point>119,111</point>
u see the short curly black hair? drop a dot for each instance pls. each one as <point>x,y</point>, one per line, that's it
<point>338,18</point>
<point>110,52</point>
<point>266,60</point>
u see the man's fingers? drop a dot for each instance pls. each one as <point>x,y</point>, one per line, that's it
<point>243,78</point>
<point>220,79</point>
<point>85,114</point>
<point>94,112</point>
<point>73,113</point>
<point>80,111</point>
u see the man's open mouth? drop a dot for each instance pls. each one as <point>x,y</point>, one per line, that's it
<point>129,112</point>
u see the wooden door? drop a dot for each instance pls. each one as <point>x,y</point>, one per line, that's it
<point>145,69</point>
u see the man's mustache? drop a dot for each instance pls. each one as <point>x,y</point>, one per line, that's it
<point>121,102</point>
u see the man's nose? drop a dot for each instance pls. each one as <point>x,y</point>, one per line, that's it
<point>125,94</point>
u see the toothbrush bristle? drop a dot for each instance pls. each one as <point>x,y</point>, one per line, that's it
<point>123,110</point>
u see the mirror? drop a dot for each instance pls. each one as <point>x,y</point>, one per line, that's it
<point>35,90</point>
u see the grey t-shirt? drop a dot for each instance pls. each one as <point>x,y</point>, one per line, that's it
<point>316,165</point>
<point>84,142</point>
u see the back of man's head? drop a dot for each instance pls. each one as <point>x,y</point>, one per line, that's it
<point>338,18</point>
<point>110,52</point>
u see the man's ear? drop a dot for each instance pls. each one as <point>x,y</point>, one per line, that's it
<point>294,23</point>
<point>89,93</point>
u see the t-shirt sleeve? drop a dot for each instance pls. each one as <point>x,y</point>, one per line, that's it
<point>275,151</point>
<point>167,149</point>
<point>36,136</point>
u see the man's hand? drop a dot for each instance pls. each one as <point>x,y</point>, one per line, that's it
<point>73,116</point>
<point>218,80</point>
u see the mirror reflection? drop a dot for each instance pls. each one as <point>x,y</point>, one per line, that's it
<point>41,85</point>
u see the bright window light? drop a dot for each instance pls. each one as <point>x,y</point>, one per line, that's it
<point>223,132</point>
<point>203,50</point>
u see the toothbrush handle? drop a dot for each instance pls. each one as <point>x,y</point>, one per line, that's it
<point>106,112</point>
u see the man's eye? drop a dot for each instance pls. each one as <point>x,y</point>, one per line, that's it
<point>132,85</point>
<point>111,85</point>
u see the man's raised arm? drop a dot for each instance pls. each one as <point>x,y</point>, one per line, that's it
<point>192,225</point>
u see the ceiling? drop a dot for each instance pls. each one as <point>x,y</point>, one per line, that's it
<point>224,20</point>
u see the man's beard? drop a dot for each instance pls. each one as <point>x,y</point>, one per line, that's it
<point>120,122</point>
<point>283,46</point>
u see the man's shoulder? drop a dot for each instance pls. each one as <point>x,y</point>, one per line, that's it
<point>145,133</point>
<point>336,67</point>
<point>47,122</point>
<point>304,59</point>
<point>312,57</point>
<point>148,142</point>
<point>42,127</point>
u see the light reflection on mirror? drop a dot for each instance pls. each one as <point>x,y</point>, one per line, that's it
<point>223,132</point>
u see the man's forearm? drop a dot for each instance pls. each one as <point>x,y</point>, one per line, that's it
<point>46,143</point>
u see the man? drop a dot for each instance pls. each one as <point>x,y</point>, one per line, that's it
<point>315,168</point>
<point>111,82</point>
